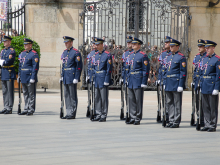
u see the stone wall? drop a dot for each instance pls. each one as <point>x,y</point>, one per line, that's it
<point>205,24</point>
<point>46,23</point>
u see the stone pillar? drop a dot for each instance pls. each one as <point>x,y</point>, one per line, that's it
<point>47,21</point>
<point>205,24</point>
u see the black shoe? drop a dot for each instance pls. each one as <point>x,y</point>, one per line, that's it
<point>137,123</point>
<point>204,129</point>
<point>8,112</point>
<point>169,125</point>
<point>3,111</point>
<point>194,124</point>
<point>102,120</point>
<point>211,130</point>
<point>23,113</point>
<point>29,114</point>
<point>202,125</point>
<point>70,117</point>
<point>174,126</point>
<point>64,117</point>
<point>96,119</point>
<point>131,122</point>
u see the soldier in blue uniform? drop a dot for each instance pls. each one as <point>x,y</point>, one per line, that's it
<point>162,67</point>
<point>210,84</point>
<point>196,75</point>
<point>71,72</point>
<point>175,83</point>
<point>103,70</point>
<point>28,69</point>
<point>8,75</point>
<point>138,72</point>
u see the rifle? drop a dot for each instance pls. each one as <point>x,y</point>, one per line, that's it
<point>61,95</point>
<point>89,100</point>
<point>163,105</point>
<point>19,95</point>
<point>193,103</point>
<point>92,113</point>
<point>122,103</point>
<point>159,104</point>
<point>127,102</point>
<point>198,125</point>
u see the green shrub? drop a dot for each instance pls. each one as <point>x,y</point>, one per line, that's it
<point>17,44</point>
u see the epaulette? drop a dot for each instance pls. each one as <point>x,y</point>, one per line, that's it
<point>107,52</point>
<point>217,56</point>
<point>198,54</point>
<point>75,49</point>
<point>34,51</point>
<point>180,54</point>
<point>164,51</point>
<point>24,51</point>
<point>96,52</point>
<point>142,53</point>
<point>131,52</point>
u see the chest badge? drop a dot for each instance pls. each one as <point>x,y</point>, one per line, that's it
<point>10,56</point>
<point>36,59</point>
<point>145,62</point>
<point>110,61</point>
<point>78,58</point>
<point>218,66</point>
<point>184,64</point>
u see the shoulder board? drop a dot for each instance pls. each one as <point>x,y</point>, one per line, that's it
<point>142,53</point>
<point>11,49</point>
<point>180,54</point>
<point>131,52</point>
<point>217,56</point>
<point>198,54</point>
<point>107,52</point>
<point>75,49</point>
<point>65,49</point>
<point>34,51</point>
<point>164,51</point>
<point>24,51</point>
<point>96,52</point>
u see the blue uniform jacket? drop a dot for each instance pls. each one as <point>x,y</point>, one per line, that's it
<point>124,64</point>
<point>72,65</point>
<point>102,68</point>
<point>8,54</point>
<point>28,66</point>
<point>197,72</point>
<point>162,67</point>
<point>210,74</point>
<point>176,71</point>
<point>90,71</point>
<point>138,69</point>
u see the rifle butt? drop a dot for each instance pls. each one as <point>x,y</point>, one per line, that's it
<point>61,112</point>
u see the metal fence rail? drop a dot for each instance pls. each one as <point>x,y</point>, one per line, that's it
<point>149,20</point>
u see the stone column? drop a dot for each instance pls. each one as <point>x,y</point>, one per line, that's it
<point>205,24</point>
<point>47,21</point>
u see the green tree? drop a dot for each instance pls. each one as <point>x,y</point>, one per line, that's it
<point>17,44</point>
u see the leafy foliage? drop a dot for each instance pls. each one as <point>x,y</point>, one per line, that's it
<point>17,44</point>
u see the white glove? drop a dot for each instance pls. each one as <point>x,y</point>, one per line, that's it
<point>87,78</point>
<point>18,79</point>
<point>215,92</point>
<point>192,84</point>
<point>164,86</point>
<point>105,83</point>
<point>143,86</point>
<point>179,89</point>
<point>75,81</point>
<point>121,80</point>
<point>158,82</point>
<point>61,79</point>
<point>32,81</point>
<point>2,62</point>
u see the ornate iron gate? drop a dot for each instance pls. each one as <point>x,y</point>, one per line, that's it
<point>149,20</point>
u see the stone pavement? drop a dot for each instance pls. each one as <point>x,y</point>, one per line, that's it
<point>45,139</point>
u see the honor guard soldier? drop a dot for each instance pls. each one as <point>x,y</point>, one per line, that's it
<point>8,75</point>
<point>103,69</point>
<point>162,67</point>
<point>28,69</point>
<point>210,84</point>
<point>196,75</point>
<point>138,72</point>
<point>124,57</point>
<point>71,72</point>
<point>175,83</point>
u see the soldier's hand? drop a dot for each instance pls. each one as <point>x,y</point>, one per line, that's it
<point>75,81</point>
<point>106,84</point>
<point>2,62</point>
<point>215,92</point>
<point>32,81</point>
<point>143,86</point>
<point>179,89</point>
<point>87,78</point>
<point>18,79</point>
<point>61,79</point>
<point>192,84</point>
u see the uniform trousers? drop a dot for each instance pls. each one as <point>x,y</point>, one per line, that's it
<point>197,108</point>
<point>174,106</point>
<point>29,92</point>
<point>8,94</point>
<point>135,97</point>
<point>71,99</point>
<point>210,109</point>
<point>101,102</point>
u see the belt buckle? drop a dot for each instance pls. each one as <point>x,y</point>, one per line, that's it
<point>168,75</point>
